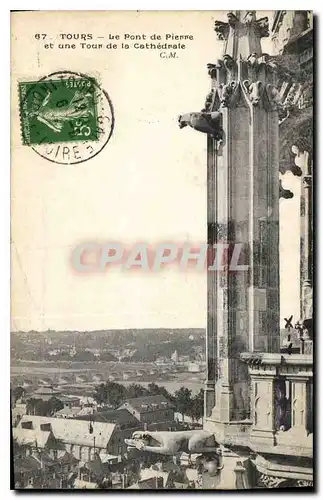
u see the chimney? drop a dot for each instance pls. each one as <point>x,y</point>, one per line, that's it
<point>159,483</point>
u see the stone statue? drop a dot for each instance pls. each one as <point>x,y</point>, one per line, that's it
<point>208,123</point>
<point>222,30</point>
<point>281,406</point>
<point>177,442</point>
<point>304,328</point>
<point>254,90</point>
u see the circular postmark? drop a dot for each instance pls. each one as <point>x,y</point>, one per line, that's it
<point>66,117</point>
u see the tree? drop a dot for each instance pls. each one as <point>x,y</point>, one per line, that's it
<point>156,390</point>
<point>196,408</point>
<point>107,356</point>
<point>100,394</point>
<point>33,406</point>
<point>136,391</point>
<point>43,408</point>
<point>17,393</point>
<point>116,394</point>
<point>55,405</point>
<point>153,389</point>
<point>164,392</point>
<point>183,400</point>
<point>84,356</point>
<point>110,393</point>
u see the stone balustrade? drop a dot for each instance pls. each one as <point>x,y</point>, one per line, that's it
<point>281,403</point>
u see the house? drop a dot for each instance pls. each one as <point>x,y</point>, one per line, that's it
<point>38,458</point>
<point>151,483</point>
<point>46,392</point>
<point>188,460</point>
<point>70,401</point>
<point>65,379</point>
<point>27,472</point>
<point>164,477</point>
<point>78,437</point>
<point>27,383</point>
<point>183,486</point>
<point>29,439</point>
<point>93,470</point>
<point>45,381</point>
<point>150,409</point>
<point>83,379</point>
<point>68,412</point>
<point>174,357</point>
<point>79,484</point>
<point>125,422</point>
<point>87,400</point>
<point>193,368</point>
<point>123,418</point>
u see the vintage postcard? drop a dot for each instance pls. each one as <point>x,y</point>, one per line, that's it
<point>161,250</point>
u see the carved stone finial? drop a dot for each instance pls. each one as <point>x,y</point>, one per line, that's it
<point>249,17</point>
<point>284,193</point>
<point>242,33</point>
<point>263,27</point>
<point>232,19</point>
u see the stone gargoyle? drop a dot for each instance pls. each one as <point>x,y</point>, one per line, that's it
<point>206,122</point>
<point>174,442</point>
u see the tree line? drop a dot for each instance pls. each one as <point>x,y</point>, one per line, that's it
<point>113,395</point>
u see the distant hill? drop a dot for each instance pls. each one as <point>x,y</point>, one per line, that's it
<point>143,344</point>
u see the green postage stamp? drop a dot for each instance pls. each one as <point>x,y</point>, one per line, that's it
<point>61,110</point>
<point>65,117</point>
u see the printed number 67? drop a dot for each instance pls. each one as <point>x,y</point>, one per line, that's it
<point>82,129</point>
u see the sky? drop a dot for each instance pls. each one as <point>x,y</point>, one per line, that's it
<point>148,184</point>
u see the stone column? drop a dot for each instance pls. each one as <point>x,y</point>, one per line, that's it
<point>241,120</point>
<point>246,211</point>
<point>263,408</point>
<point>298,405</point>
<point>300,433</point>
<point>306,239</point>
<point>297,370</point>
<point>263,374</point>
<point>211,331</point>
<point>303,159</point>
